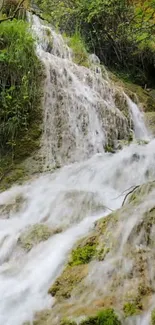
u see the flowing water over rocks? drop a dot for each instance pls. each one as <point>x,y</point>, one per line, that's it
<point>41,220</point>
<point>84,111</point>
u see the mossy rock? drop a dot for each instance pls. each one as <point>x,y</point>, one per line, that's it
<point>33,236</point>
<point>135,92</point>
<point>41,318</point>
<point>84,252</point>
<point>150,121</point>
<point>12,170</point>
<point>139,193</point>
<point>108,148</point>
<point>13,206</point>
<point>71,276</point>
<point>131,308</point>
<point>15,175</point>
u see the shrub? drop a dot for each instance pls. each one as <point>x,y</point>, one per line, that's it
<point>20,77</point>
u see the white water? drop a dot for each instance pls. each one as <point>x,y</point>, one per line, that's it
<point>81,111</point>
<point>73,197</point>
<point>139,125</point>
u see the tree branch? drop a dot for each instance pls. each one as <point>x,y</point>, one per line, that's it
<point>14,14</point>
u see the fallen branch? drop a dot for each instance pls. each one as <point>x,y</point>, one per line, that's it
<point>130,193</point>
<point>122,194</point>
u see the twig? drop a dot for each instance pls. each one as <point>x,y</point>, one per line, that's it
<point>130,193</point>
<point>108,208</point>
<point>14,14</point>
<point>123,192</point>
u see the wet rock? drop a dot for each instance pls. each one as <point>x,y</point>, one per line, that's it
<point>34,235</point>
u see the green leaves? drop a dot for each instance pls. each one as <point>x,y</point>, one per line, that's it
<point>19,77</point>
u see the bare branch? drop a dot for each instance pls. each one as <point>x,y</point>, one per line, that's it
<point>130,193</point>
<point>14,14</point>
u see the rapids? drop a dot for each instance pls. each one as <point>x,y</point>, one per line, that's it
<point>70,199</point>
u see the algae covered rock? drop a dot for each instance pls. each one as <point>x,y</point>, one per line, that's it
<point>84,252</point>
<point>131,308</point>
<point>71,276</point>
<point>98,279</point>
<point>98,276</point>
<point>12,206</point>
<point>34,235</point>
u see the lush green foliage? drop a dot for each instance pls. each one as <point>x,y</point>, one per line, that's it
<point>120,32</point>
<point>20,73</point>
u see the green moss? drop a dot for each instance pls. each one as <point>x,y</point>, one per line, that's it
<point>82,255</point>
<point>102,224</point>
<point>102,252</point>
<point>104,317</point>
<point>138,194</point>
<point>130,309</point>
<point>153,317</point>
<point>84,252</point>
<point>16,175</point>
<point>108,148</point>
<point>34,235</point>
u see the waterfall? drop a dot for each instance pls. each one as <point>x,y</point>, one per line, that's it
<point>84,111</point>
<point>81,115</point>
<point>140,129</point>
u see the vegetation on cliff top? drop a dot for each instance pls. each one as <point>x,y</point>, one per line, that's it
<point>120,32</point>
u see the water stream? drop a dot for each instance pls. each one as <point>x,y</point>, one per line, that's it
<point>74,196</point>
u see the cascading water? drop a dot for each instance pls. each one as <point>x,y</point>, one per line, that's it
<point>82,109</point>
<point>80,115</point>
<point>139,125</point>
